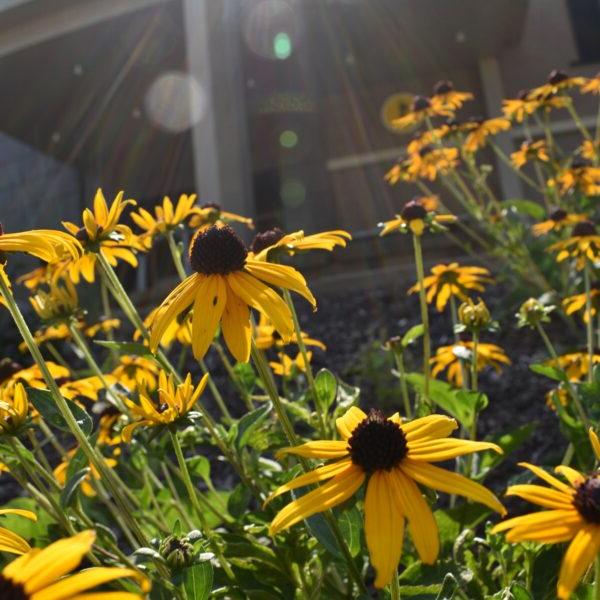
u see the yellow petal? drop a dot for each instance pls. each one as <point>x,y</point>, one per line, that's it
<point>210,301</point>
<point>556,483</point>
<point>349,421</point>
<point>574,477</point>
<point>578,557</point>
<point>236,326</point>
<point>541,496</point>
<point>447,448</point>
<point>595,443</point>
<point>430,427</point>
<point>325,449</point>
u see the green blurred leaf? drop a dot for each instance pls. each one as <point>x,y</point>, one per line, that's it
<point>326,389</point>
<point>412,334</point>
<point>509,442</point>
<point>198,580</point>
<point>125,348</point>
<point>72,485</point>
<point>550,372</point>
<point>250,422</point>
<point>525,207</point>
<point>199,465</point>
<point>238,502</point>
<point>246,376</point>
<point>45,404</point>
<point>350,522</point>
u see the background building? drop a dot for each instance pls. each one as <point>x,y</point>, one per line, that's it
<point>273,108</point>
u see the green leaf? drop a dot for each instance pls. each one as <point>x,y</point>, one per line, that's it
<point>350,522</point>
<point>550,372</point>
<point>246,376</point>
<point>239,500</point>
<point>45,404</point>
<point>326,389</point>
<point>526,207</point>
<point>69,492</point>
<point>509,442</point>
<point>412,334</point>
<point>461,404</point>
<point>250,422</point>
<point>125,347</point>
<point>320,529</point>
<point>199,465</point>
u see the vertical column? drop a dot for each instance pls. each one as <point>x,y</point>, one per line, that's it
<point>493,91</point>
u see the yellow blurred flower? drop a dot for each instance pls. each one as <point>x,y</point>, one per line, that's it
<point>592,85</point>
<point>134,371</point>
<point>104,325</point>
<point>46,244</point>
<point>14,409</point>
<point>584,244</point>
<point>577,302</point>
<point>480,129</point>
<point>429,161</point>
<point>416,217</point>
<point>87,486</point>
<point>557,221</point>
<point>422,108</point>
<point>452,280</point>
<point>520,107</point>
<point>212,214</point>
<point>174,402</point>
<point>287,367</point>
<point>449,357</point>
<point>530,151</point>
<point>446,98</point>
<point>33,279</point>
<point>60,302</point>
<point>590,150</point>
<point>266,336</point>
<point>86,387</point>
<point>575,364</point>
<point>578,177</point>
<point>32,376</point>
<point>558,81</point>
<point>179,329</point>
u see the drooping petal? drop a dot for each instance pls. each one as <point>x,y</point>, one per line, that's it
<point>542,496</point>
<point>208,308</point>
<point>349,421</point>
<point>334,492</point>
<point>430,427</point>
<point>384,527</point>
<point>236,326</point>
<point>325,449</point>
<point>556,483</point>
<point>574,477</point>
<point>578,557</point>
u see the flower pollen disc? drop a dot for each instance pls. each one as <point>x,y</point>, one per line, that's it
<point>10,590</point>
<point>583,229</point>
<point>265,239</point>
<point>377,443</point>
<point>413,210</point>
<point>217,251</point>
<point>587,499</point>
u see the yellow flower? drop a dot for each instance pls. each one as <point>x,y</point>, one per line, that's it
<point>446,98</point>
<point>226,282</point>
<point>589,150</point>
<point>449,357</point>
<point>212,214</point>
<point>135,371</point>
<point>288,366</point>
<point>578,177</point>
<point>429,161</point>
<point>60,473</point>
<point>10,541</point>
<point>14,409</point>
<point>32,376</point>
<point>591,86</point>
<point>87,387</point>
<point>595,442</point>
<point>266,336</point>
<point>276,240</point>
<point>48,333</point>
<point>174,402</point>
<point>395,457</point>
<point>37,277</point>
<point>573,516</point>
<point>521,107</point>
<point>584,244</point>
<point>104,325</point>
<point>481,129</point>
<point>59,302</point>
<point>422,108</point>
<point>557,220</point>
<point>416,217</point>
<point>46,244</point>
<point>558,81</point>
<point>166,217</point>
<point>44,574</point>
<point>577,302</point>
<point>180,329</point>
<point>575,364</point>
<point>452,280</point>
<point>102,232</point>
<point>530,151</point>
<point>429,137</point>
<point>558,394</point>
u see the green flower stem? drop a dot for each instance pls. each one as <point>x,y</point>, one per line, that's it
<point>399,358</point>
<point>454,315</point>
<point>106,309</point>
<point>56,355</point>
<point>177,502</point>
<point>38,451</point>
<point>474,387</point>
<point>572,389</point>
<point>91,361</point>
<point>590,320</point>
<point>231,372</point>
<point>395,588</point>
<point>424,317</point>
<point>309,373</point>
<point>193,496</point>
<point>52,438</point>
<point>577,119</point>
<point>266,376</point>
<point>502,156</point>
<point>95,458</point>
<point>176,255</point>
<point>216,394</point>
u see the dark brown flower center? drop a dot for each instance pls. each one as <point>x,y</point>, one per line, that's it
<point>556,76</point>
<point>587,499</point>
<point>420,103</point>
<point>377,443</point>
<point>583,229</point>
<point>9,590</point>
<point>8,368</point>
<point>265,239</point>
<point>217,251</point>
<point>413,210</point>
<point>425,150</point>
<point>558,215</point>
<point>523,94</point>
<point>443,87</point>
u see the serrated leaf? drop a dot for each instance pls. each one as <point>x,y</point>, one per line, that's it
<point>326,390</point>
<point>72,485</point>
<point>250,422</point>
<point>46,406</point>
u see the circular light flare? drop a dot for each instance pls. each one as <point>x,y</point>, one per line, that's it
<point>282,45</point>
<point>270,29</point>
<point>293,193</point>
<point>175,101</point>
<point>288,139</point>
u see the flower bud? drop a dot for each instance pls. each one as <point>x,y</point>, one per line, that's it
<point>474,316</point>
<point>531,313</point>
<point>178,552</point>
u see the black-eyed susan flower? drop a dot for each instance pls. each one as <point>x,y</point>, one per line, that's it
<point>474,316</point>
<point>288,367</point>
<point>213,214</point>
<point>577,302</point>
<point>179,330</point>
<point>32,376</point>
<point>429,137</point>
<point>578,177</point>
<point>393,457</point>
<point>558,81</point>
<point>104,325</point>
<point>227,281</point>
<point>59,302</point>
<point>519,108</point>
<point>590,150</point>
<point>573,516</point>
<point>446,98</point>
<point>533,312</point>
<point>166,217</point>
<point>174,402</point>
<point>38,276</point>
<point>274,240</point>
<point>479,131</point>
<point>61,471</point>
<point>422,108</point>
<point>557,220</point>
<point>9,540</point>
<point>46,244</point>
<point>102,233</point>
<point>450,357</point>
<point>45,574</point>
<point>452,280</point>
<point>429,161</point>
<point>576,365</point>
<point>48,333</point>
<point>266,336</point>
<point>14,409</point>
<point>529,151</point>
<point>86,387</point>
<point>416,217</point>
<point>582,245</point>
<point>135,371</point>
<point>591,86</point>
